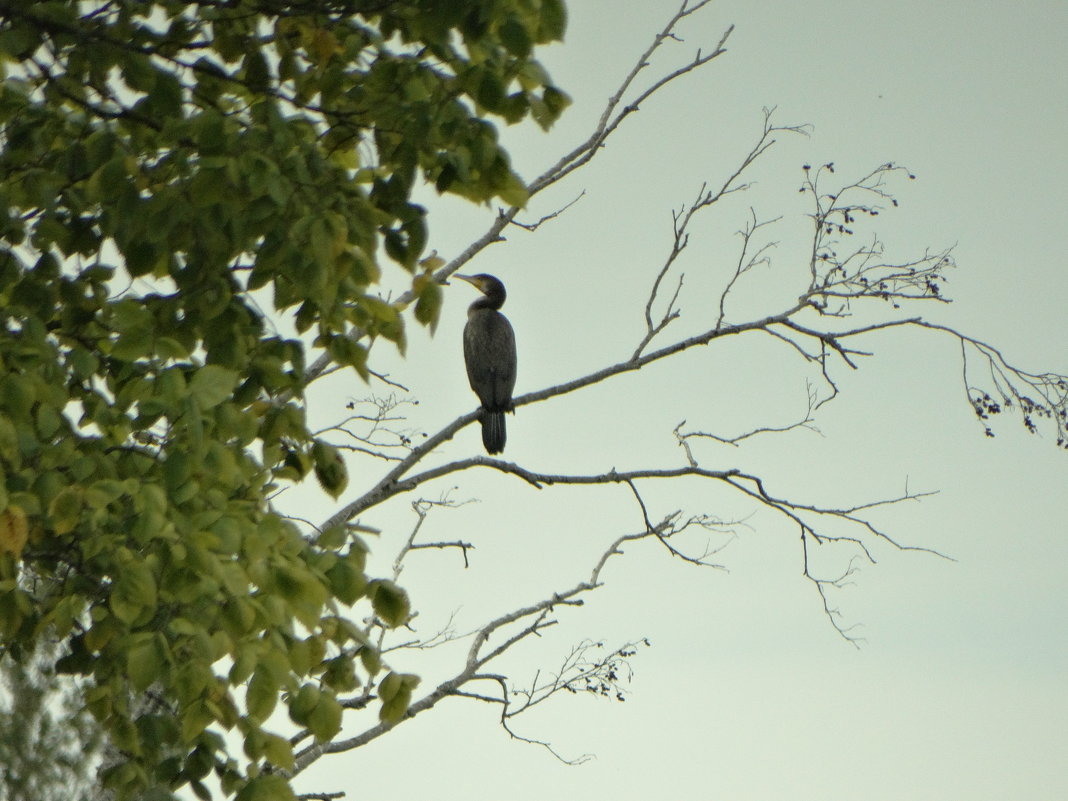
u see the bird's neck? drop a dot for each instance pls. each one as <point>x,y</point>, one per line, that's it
<point>488,302</point>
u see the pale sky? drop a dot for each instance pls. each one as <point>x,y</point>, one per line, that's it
<point>747,693</point>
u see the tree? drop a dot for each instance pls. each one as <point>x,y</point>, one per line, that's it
<point>158,552</point>
<point>168,168</point>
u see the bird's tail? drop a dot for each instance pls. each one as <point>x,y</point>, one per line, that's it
<point>493,433</point>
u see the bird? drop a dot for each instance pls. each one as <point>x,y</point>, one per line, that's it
<point>489,352</point>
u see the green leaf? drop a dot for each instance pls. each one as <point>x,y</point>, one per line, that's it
<point>138,73</point>
<point>83,363</point>
<point>211,385</point>
<point>165,99</point>
<point>303,703</point>
<point>301,658</point>
<point>331,538</point>
<point>553,21</point>
<point>194,718</point>
<point>322,247</point>
<point>141,257</point>
<point>9,441</point>
<point>390,602</point>
<point>65,509</point>
<point>329,468</point>
<point>109,181</point>
<point>395,690</point>
<point>515,36</point>
<point>371,659</point>
<point>340,674</point>
<point>390,686</point>
<point>513,191</point>
<point>134,325</point>
<point>133,592</point>
<point>428,304</point>
<point>347,351</point>
<point>49,421</point>
<point>168,348</point>
<point>144,662</point>
<point>262,695</point>
<point>555,101</point>
<point>18,396</point>
<point>347,583</point>
<point>491,91</point>
<point>397,247</point>
<point>270,787</point>
<point>257,73</point>
<point>278,751</point>
<point>325,718</point>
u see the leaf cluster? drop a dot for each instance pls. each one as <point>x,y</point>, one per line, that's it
<point>166,170</point>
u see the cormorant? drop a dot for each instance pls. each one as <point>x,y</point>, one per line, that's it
<point>489,351</point>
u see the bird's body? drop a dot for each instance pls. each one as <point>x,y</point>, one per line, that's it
<point>489,352</point>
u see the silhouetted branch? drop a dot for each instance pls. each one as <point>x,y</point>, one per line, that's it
<point>848,292</point>
<point>516,626</point>
<point>613,114</point>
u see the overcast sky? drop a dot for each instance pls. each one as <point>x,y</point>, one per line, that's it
<point>961,687</point>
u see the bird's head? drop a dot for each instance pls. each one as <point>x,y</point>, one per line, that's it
<point>488,285</point>
<point>482,282</point>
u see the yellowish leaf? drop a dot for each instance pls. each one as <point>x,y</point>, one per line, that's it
<point>14,531</point>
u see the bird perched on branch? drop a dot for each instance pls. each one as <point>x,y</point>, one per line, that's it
<point>489,351</point>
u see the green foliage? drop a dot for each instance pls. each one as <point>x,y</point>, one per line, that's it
<point>395,691</point>
<point>168,170</point>
<point>390,602</point>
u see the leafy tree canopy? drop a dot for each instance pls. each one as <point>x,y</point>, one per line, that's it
<point>167,171</point>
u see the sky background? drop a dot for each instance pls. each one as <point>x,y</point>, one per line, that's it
<point>961,687</point>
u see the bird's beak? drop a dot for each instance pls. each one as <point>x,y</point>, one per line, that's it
<point>469,278</point>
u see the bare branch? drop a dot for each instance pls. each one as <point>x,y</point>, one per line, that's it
<point>746,260</point>
<point>682,219</point>
<point>613,115</point>
<point>1014,387</point>
<point>502,681</point>
<point>582,670</point>
<point>671,526</point>
<point>534,618</point>
<point>807,422</point>
<point>832,613</point>
<point>375,430</point>
<point>552,216</point>
<point>422,508</point>
<point>462,545</point>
